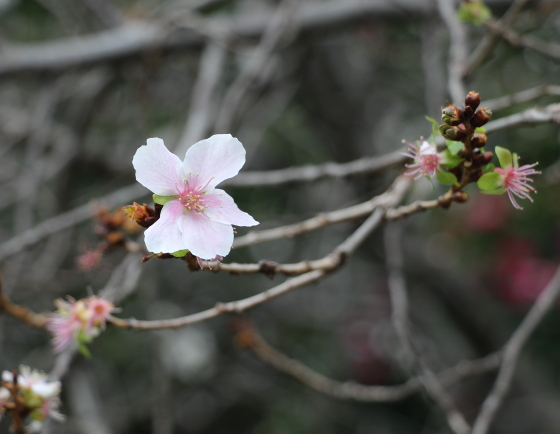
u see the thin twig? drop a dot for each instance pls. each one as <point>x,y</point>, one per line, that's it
<point>325,219</point>
<point>358,392</point>
<point>523,96</point>
<point>511,353</point>
<point>399,302</point>
<point>457,49</point>
<point>486,46</point>
<point>338,257</point>
<point>19,312</point>
<point>525,41</point>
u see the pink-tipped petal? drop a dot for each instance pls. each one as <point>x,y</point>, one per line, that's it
<point>210,161</point>
<point>164,235</point>
<point>158,169</point>
<point>205,238</point>
<point>222,209</point>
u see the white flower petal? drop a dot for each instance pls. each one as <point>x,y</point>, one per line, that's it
<point>164,236</point>
<point>158,169</point>
<point>205,238</point>
<point>222,209</point>
<point>210,161</point>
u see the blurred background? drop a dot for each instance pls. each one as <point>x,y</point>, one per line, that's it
<point>84,83</point>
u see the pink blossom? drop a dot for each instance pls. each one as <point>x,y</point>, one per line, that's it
<point>196,216</point>
<point>40,395</point>
<point>426,160</point>
<point>515,181</point>
<point>78,319</point>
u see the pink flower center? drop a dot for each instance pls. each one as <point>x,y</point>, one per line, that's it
<point>429,162</point>
<point>509,176</point>
<point>193,200</point>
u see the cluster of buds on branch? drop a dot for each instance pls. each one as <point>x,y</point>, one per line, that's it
<point>28,395</point>
<point>78,321</point>
<point>465,160</point>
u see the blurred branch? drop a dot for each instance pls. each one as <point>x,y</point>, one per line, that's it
<point>210,73</point>
<point>523,96</point>
<point>248,336</point>
<point>486,46</point>
<point>457,49</point>
<point>512,351</point>
<point>22,313</point>
<point>133,38</point>
<point>524,41</point>
<point>530,117</point>
<point>399,318</point>
<point>279,30</point>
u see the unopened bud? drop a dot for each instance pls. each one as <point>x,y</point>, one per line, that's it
<point>468,112</point>
<point>481,117</point>
<point>141,214</point>
<point>460,197</point>
<point>479,140</point>
<point>487,157</point>
<point>451,115</point>
<point>452,133</point>
<point>472,100</point>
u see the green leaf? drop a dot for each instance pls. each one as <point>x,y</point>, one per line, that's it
<point>454,147</point>
<point>162,200</point>
<point>180,253</point>
<point>489,168</point>
<point>446,178</point>
<point>497,191</point>
<point>84,350</point>
<point>449,160</point>
<point>480,130</point>
<point>474,12</point>
<point>435,126</point>
<point>490,181</point>
<point>505,157</point>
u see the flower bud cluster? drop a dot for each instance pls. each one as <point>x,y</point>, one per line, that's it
<point>29,395</point>
<point>78,321</point>
<point>459,165</point>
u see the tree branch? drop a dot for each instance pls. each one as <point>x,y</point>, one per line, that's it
<point>511,353</point>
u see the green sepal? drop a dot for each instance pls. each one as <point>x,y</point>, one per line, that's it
<point>497,191</point>
<point>446,178</point>
<point>504,156</point>
<point>515,160</point>
<point>162,200</point>
<point>489,168</point>
<point>180,253</point>
<point>435,126</point>
<point>454,147</point>
<point>490,181</point>
<point>450,160</point>
<point>84,350</point>
<point>480,130</point>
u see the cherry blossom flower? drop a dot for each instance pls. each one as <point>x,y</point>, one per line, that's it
<point>40,396</point>
<point>515,181</point>
<point>196,216</point>
<point>426,160</point>
<point>79,320</point>
<point>509,178</point>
